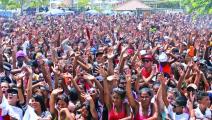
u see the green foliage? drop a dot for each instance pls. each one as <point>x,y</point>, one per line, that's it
<point>198,6</point>
<point>38,3</point>
<point>4,3</point>
<point>83,3</point>
<point>14,4</point>
<point>175,4</point>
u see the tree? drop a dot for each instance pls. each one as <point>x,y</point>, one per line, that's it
<point>83,3</point>
<point>38,3</point>
<point>198,6</point>
<point>4,3</point>
<point>175,4</point>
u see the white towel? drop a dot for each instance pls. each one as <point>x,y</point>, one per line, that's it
<point>30,114</point>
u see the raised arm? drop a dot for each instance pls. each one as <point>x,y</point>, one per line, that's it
<point>155,112</point>
<point>76,85</point>
<point>14,50</point>
<point>107,98</point>
<point>29,84</point>
<point>1,60</point>
<point>20,89</point>
<point>164,93</point>
<point>122,59</point>
<point>181,79</point>
<point>110,57</point>
<point>131,99</point>
<point>46,73</point>
<point>190,106</point>
<point>53,96</point>
<point>92,107</point>
<point>91,78</point>
<point>207,86</point>
<point>56,76</point>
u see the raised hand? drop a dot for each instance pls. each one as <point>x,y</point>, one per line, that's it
<point>162,79</point>
<point>128,75</point>
<point>125,55</point>
<point>110,54</point>
<point>190,64</point>
<point>56,70</point>
<point>57,91</point>
<point>88,77</point>
<point>180,71</point>
<point>102,71</point>
<point>29,69</point>
<point>124,49</point>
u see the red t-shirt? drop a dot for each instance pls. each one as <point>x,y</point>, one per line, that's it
<point>145,73</point>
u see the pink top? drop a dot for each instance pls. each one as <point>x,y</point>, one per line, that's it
<point>140,116</point>
<point>113,115</point>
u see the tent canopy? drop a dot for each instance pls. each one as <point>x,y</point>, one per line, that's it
<point>132,5</point>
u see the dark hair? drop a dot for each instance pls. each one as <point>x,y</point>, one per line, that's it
<point>62,97</point>
<point>40,99</point>
<point>121,92</point>
<point>146,89</point>
<point>73,95</point>
<point>156,84</point>
<point>201,95</point>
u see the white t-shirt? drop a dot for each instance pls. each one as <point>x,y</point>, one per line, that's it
<point>174,116</point>
<point>12,111</point>
<point>199,115</point>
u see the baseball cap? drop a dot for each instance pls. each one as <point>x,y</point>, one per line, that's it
<point>191,87</point>
<point>20,53</point>
<point>147,56</point>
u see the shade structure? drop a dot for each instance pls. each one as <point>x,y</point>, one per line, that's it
<point>132,5</point>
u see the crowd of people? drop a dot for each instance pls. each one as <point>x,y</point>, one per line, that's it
<point>101,67</point>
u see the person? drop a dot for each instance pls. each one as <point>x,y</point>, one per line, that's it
<point>175,108</point>
<point>147,70</point>
<point>143,108</point>
<point>79,66</point>
<point>61,101</point>
<point>37,102</point>
<point>202,111</point>
<point>117,108</point>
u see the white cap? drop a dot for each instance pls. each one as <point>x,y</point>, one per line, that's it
<point>163,57</point>
<point>143,52</point>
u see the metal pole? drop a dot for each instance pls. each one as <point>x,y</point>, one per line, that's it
<point>50,4</point>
